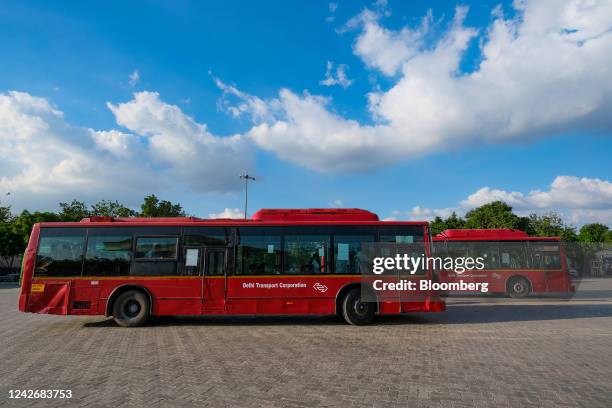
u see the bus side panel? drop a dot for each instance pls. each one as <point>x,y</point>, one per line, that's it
<point>84,298</point>
<point>557,281</point>
<point>170,296</point>
<point>537,278</point>
<point>495,279</point>
<point>50,297</point>
<point>176,296</point>
<point>285,294</point>
<point>281,306</point>
<point>560,280</point>
<point>28,268</point>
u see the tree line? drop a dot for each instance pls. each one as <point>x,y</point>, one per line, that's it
<point>498,214</point>
<point>15,228</point>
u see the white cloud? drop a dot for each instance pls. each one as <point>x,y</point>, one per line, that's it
<point>309,134</point>
<point>228,213</point>
<point>381,4</point>
<point>114,141</point>
<point>134,77</point>
<point>337,203</point>
<point>428,214</point>
<point>340,78</point>
<point>565,191</point>
<point>332,9</point>
<point>186,148</point>
<point>238,103</point>
<point>44,159</point>
<point>580,200</point>
<point>538,76</point>
<point>582,216</point>
<point>384,49</point>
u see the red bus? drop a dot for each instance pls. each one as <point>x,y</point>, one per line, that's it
<point>515,264</point>
<point>282,261</point>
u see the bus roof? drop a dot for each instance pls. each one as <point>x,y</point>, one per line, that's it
<point>493,234</point>
<point>266,216</point>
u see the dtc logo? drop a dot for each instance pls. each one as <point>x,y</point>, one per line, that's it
<point>320,287</point>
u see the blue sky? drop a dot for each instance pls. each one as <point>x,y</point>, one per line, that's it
<point>435,143</point>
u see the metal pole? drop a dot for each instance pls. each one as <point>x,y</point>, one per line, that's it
<point>246,196</point>
<point>246,178</point>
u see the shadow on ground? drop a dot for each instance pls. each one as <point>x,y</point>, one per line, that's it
<point>455,314</point>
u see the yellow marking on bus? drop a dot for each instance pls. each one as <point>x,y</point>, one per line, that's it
<point>37,288</point>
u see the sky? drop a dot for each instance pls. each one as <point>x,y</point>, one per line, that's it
<point>408,109</point>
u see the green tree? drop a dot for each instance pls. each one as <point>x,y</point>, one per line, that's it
<point>551,224</point>
<point>152,207</point>
<point>23,223</point>
<point>452,222</point>
<point>11,246</point>
<point>74,211</point>
<point>569,234</point>
<point>593,233</point>
<point>5,213</point>
<point>496,214</point>
<point>107,208</point>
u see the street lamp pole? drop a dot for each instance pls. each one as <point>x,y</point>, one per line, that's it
<point>246,178</point>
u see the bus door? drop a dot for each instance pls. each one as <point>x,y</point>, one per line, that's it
<point>209,263</point>
<point>547,258</point>
<point>214,277</point>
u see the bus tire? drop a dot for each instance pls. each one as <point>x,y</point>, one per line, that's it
<point>131,309</point>
<point>355,311</point>
<point>518,287</point>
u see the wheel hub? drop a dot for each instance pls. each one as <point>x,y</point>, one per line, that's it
<point>360,307</point>
<point>132,308</point>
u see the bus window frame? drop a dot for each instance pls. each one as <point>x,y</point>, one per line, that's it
<point>83,253</point>
<point>176,249</point>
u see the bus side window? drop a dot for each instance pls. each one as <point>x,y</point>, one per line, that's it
<point>155,256</point>
<point>348,252</point>
<point>258,251</point>
<point>545,255</point>
<point>60,252</point>
<point>488,251</point>
<point>513,255</point>
<point>401,240</point>
<point>306,254</point>
<point>107,255</point>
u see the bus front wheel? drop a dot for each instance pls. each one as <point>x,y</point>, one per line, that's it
<point>355,310</point>
<point>518,287</point>
<point>131,309</point>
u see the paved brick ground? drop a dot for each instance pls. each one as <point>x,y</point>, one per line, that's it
<point>478,353</point>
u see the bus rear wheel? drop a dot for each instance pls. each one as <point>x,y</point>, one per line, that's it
<point>131,309</point>
<point>518,287</point>
<point>355,310</point>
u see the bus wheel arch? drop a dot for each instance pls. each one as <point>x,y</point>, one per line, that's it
<point>119,290</point>
<point>345,294</point>
<point>518,286</point>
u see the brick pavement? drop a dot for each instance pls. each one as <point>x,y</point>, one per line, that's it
<point>478,353</point>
